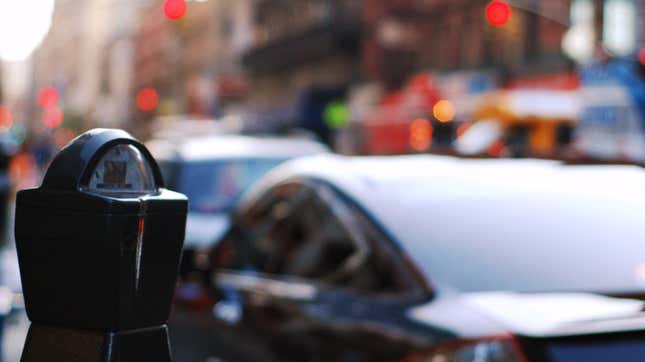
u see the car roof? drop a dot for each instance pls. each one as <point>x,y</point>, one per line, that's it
<point>361,176</point>
<point>451,211</point>
<point>234,146</point>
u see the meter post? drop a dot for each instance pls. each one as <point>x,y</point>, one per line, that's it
<point>99,244</point>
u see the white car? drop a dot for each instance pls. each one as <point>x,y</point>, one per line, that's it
<point>427,258</point>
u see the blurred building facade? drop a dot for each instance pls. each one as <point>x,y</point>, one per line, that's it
<point>303,55</point>
<point>403,37</point>
<point>281,63</point>
<point>278,63</point>
<point>56,63</point>
<point>193,62</point>
<point>156,61</point>
<point>87,57</point>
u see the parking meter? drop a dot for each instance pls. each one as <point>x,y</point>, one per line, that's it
<point>99,244</point>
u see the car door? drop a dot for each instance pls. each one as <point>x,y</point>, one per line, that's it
<point>311,279</point>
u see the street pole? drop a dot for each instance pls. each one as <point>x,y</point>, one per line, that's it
<point>599,20</point>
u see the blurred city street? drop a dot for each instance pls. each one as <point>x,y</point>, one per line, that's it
<point>361,180</point>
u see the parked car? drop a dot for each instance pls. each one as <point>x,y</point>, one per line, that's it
<point>213,172</point>
<point>429,258</point>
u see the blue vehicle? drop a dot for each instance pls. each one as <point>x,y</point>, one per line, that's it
<point>214,171</point>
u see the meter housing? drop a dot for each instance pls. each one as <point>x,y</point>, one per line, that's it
<point>99,241</point>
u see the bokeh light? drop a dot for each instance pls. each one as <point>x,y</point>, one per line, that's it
<point>53,117</point>
<point>336,115</point>
<point>48,97</point>
<point>444,111</point>
<point>6,118</point>
<point>421,135</point>
<point>147,99</point>
<point>498,13</point>
<point>17,134</point>
<point>174,9</point>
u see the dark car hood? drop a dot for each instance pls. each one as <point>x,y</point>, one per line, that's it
<point>473,315</point>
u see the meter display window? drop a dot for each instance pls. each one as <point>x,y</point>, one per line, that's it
<point>121,171</point>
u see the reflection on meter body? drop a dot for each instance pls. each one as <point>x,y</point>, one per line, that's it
<point>99,244</point>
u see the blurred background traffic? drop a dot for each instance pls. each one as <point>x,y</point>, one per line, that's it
<point>224,90</point>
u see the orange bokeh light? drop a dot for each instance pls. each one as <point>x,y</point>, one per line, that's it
<point>147,99</point>
<point>53,117</point>
<point>421,135</point>
<point>6,118</point>
<point>444,111</point>
<point>175,9</point>
<point>48,97</point>
<point>498,13</point>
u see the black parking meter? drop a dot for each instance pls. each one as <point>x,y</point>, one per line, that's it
<point>99,244</point>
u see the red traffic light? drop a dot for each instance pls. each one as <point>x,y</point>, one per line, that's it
<point>498,12</point>
<point>48,97</point>
<point>147,99</point>
<point>6,118</point>
<point>174,9</point>
<point>53,117</point>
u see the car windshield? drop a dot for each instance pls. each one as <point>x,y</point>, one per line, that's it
<point>216,186</point>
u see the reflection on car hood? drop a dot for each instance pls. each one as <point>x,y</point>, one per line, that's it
<point>536,315</point>
<point>202,230</point>
<point>540,314</point>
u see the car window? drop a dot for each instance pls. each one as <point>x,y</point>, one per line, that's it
<point>298,235</point>
<point>215,186</point>
<point>295,230</point>
<point>387,270</point>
